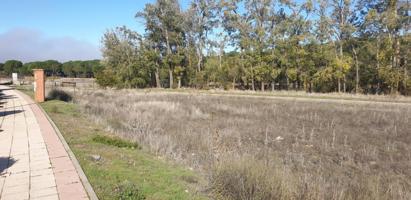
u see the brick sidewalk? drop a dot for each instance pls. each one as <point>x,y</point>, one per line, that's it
<point>33,161</point>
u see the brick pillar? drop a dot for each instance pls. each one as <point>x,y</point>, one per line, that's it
<point>39,85</point>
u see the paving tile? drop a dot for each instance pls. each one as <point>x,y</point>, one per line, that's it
<point>39,166</point>
<point>43,192</point>
<point>38,146</point>
<point>15,189</point>
<point>17,196</point>
<point>71,191</point>
<point>45,181</point>
<point>41,172</point>
<point>2,179</point>
<point>15,180</point>
<point>39,153</point>
<point>50,197</point>
<point>42,184</point>
<point>38,159</point>
<point>19,169</point>
<point>67,177</point>
<point>62,164</point>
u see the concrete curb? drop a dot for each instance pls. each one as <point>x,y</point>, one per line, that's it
<point>86,184</point>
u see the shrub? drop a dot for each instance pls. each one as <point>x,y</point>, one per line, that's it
<point>106,78</point>
<point>128,191</point>
<point>115,141</point>
<point>59,95</point>
<point>245,179</point>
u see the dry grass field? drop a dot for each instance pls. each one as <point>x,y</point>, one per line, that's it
<point>264,148</point>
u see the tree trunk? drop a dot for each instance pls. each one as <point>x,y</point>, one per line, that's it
<point>405,80</point>
<point>170,69</point>
<point>305,84</point>
<point>179,83</point>
<point>344,84</point>
<point>157,76</point>
<point>287,82</point>
<point>200,57</point>
<point>262,86</point>
<point>234,83</point>
<point>170,75</point>
<point>220,55</point>
<point>378,65</point>
<point>357,74</point>
<point>341,54</point>
<point>252,79</point>
<point>392,56</point>
<point>310,87</point>
<point>220,61</point>
<point>298,81</point>
<point>397,52</point>
<point>397,63</point>
<point>273,86</point>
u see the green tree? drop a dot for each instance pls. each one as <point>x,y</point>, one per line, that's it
<point>67,69</point>
<point>341,16</point>
<point>163,21</point>
<point>12,66</point>
<point>386,24</point>
<point>322,46</point>
<point>122,54</point>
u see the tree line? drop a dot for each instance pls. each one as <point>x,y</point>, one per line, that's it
<point>83,69</point>
<point>360,46</point>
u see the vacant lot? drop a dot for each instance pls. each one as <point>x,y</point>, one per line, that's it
<point>262,148</point>
<point>116,168</point>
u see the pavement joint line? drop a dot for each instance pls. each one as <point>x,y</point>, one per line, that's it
<point>28,144</point>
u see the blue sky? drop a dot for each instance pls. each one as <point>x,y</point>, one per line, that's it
<point>35,25</point>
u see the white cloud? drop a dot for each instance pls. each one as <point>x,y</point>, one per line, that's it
<point>30,45</point>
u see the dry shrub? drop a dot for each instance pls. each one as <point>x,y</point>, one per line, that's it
<point>247,178</point>
<point>61,95</point>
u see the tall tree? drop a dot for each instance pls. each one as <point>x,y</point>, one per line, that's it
<point>386,23</point>
<point>122,56</point>
<point>202,19</point>
<point>163,21</point>
<point>341,15</point>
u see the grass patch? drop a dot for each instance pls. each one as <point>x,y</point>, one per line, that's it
<point>122,173</point>
<point>26,89</point>
<point>115,141</point>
